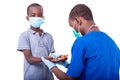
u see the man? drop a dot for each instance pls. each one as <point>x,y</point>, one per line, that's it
<point>95,56</point>
<point>35,43</point>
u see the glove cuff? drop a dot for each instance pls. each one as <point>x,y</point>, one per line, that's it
<point>64,63</point>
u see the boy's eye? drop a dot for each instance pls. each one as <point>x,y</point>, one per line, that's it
<point>32,15</point>
<point>40,15</point>
<point>36,15</point>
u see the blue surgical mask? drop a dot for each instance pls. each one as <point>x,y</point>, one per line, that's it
<point>76,34</point>
<point>36,22</point>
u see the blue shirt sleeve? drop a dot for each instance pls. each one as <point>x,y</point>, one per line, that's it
<point>77,63</point>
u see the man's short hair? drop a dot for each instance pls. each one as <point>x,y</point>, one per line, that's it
<point>81,10</point>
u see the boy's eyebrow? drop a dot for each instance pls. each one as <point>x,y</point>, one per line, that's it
<point>39,13</point>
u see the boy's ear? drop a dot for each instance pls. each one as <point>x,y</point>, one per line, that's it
<point>43,17</point>
<point>27,18</point>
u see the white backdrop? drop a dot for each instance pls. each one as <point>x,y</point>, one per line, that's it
<point>13,22</point>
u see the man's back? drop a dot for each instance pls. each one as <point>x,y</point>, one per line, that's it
<point>96,56</point>
<point>101,57</point>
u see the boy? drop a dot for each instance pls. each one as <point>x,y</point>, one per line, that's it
<point>35,43</point>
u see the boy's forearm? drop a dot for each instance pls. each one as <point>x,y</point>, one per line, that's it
<point>33,60</point>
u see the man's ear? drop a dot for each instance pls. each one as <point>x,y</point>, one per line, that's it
<point>79,21</point>
<point>27,18</point>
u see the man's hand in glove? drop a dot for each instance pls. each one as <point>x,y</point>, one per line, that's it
<point>48,63</point>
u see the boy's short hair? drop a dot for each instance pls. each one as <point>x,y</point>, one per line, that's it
<point>81,10</point>
<point>32,5</point>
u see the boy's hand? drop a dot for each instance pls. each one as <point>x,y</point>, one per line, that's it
<point>55,55</point>
<point>60,58</point>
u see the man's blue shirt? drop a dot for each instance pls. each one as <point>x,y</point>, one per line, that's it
<point>95,56</point>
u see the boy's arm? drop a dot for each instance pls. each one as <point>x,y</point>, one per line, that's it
<point>30,58</point>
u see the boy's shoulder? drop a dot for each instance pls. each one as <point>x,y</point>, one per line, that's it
<point>47,33</point>
<point>25,33</point>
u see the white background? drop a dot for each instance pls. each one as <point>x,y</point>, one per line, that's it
<point>13,21</point>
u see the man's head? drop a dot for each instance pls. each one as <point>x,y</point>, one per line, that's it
<point>79,15</point>
<point>35,15</point>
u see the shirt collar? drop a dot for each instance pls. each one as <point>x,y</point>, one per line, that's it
<point>34,32</point>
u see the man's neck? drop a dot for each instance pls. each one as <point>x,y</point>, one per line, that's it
<point>91,26</point>
<point>88,24</point>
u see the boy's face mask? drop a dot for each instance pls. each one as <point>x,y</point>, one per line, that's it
<point>76,34</point>
<point>36,22</point>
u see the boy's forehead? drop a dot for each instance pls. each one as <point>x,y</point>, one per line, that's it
<point>35,8</point>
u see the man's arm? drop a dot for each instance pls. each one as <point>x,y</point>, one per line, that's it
<point>58,73</point>
<point>61,75</point>
<point>30,58</point>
